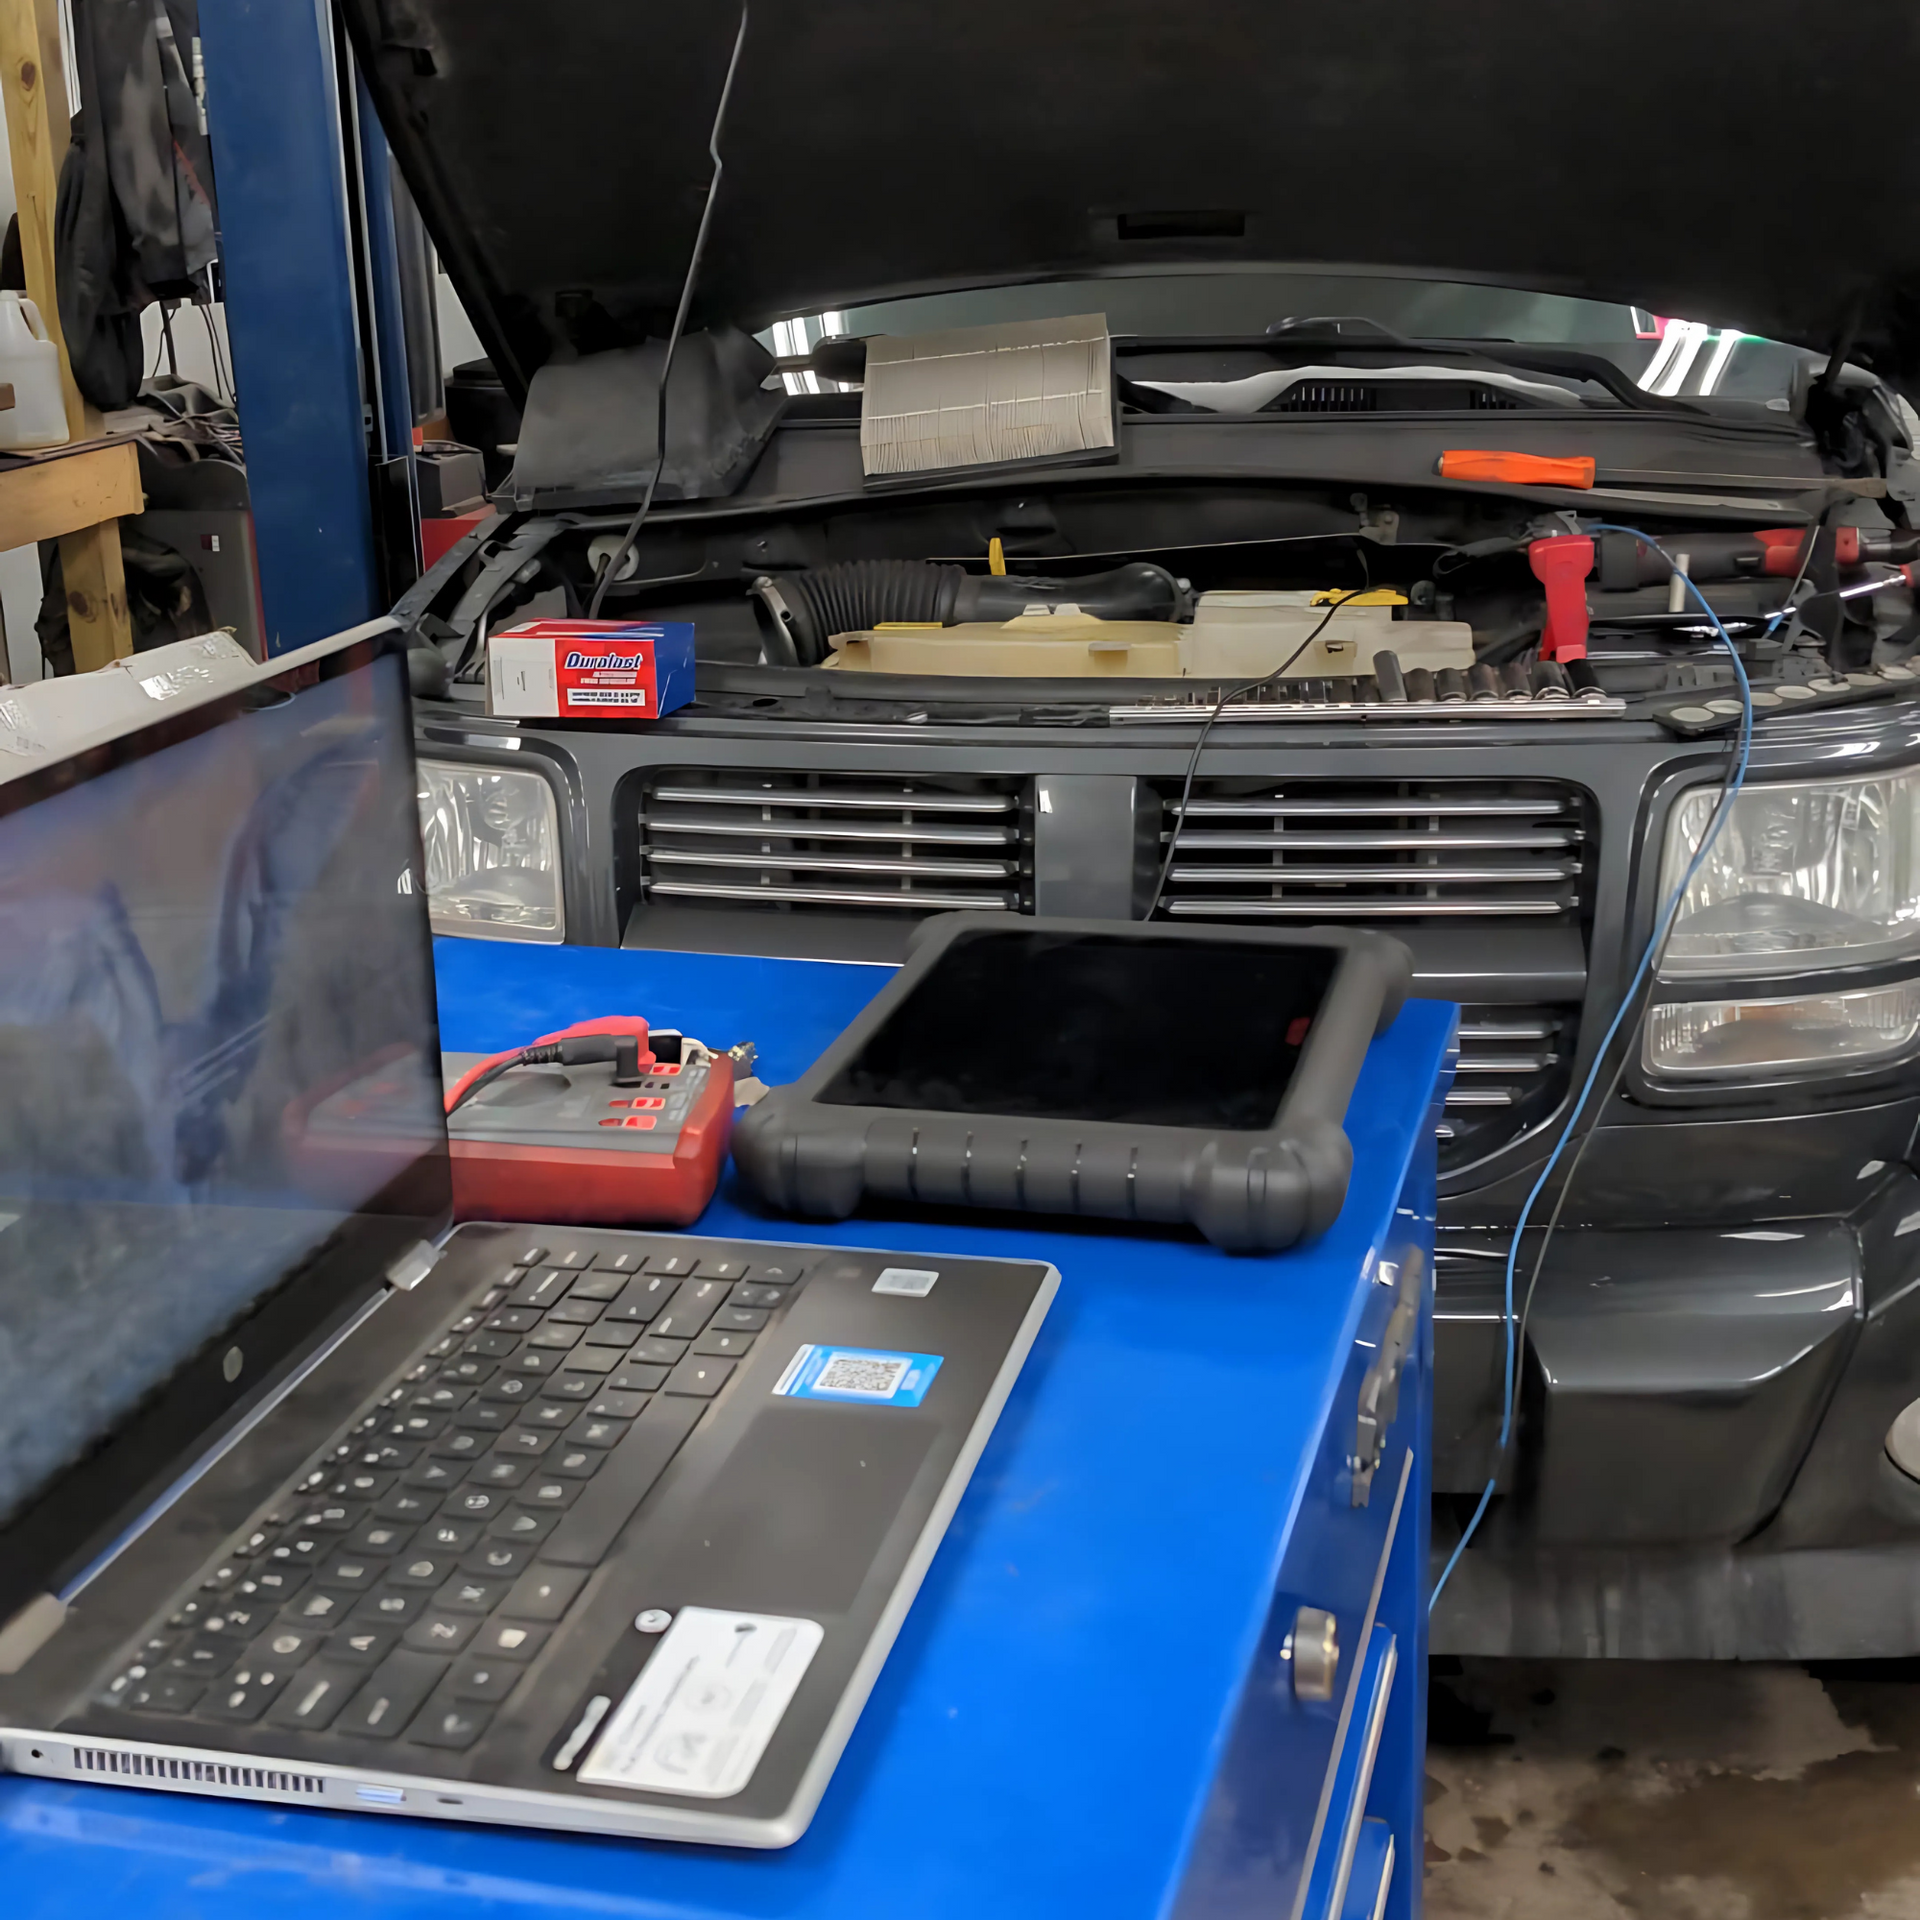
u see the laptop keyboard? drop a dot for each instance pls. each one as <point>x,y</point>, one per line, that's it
<point>401,1585</point>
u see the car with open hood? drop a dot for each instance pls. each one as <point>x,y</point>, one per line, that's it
<point>1248,463</point>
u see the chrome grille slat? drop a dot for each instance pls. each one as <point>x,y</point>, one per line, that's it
<point>914,799</point>
<point>929,833</point>
<point>1512,1068</point>
<point>1396,808</point>
<point>1307,907</point>
<point>921,899</point>
<point>831,863</point>
<point>853,842</point>
<point>1200,840</point>
<point>1342,875</point>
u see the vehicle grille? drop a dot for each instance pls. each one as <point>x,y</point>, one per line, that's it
<point>1396,855</point>
<point>1513,1069</point>
<point>1379,851</point>
<point>850,842</point>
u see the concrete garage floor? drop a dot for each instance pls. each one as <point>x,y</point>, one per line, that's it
<point>1595,1789</point>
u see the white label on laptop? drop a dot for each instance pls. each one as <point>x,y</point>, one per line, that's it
<point>916,1282</point>
<point>700,1715</point>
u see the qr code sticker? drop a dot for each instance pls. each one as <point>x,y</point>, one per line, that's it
<point>862,1374</point>
<point>876,1378</point>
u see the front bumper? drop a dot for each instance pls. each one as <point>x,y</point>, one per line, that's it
<point>1699,1468</point>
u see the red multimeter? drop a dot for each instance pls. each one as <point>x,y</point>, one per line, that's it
<point>605,1123</point>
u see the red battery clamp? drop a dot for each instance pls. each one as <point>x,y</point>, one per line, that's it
<point>604,1123</point>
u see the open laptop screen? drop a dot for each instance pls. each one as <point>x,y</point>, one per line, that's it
<point>217,1037</point>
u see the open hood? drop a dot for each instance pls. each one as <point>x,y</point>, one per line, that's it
<point>1748,166</point>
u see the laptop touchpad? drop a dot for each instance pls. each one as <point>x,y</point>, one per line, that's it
<point>792,1522</point>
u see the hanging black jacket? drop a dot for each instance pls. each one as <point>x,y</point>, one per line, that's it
<point>138,89</point>
<point>100,295</point>
<point>135,218</point>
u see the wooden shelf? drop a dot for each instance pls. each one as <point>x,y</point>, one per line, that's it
<point>34,90</point>
<point>83,487</point>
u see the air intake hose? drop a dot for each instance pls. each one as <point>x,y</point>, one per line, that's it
<point>854,595</point>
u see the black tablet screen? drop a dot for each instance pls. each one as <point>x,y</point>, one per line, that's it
<point>1171,1033</point>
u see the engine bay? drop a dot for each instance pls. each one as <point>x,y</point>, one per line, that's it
<point>1421,607</point>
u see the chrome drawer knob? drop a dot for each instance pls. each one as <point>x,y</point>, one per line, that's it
<point>1313,1647</point>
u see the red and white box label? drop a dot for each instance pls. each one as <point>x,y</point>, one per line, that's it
<point>590,669</point>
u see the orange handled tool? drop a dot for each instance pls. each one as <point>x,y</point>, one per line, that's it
<point>1517,469</point>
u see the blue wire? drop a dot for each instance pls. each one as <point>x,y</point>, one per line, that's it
<point>1730,791</point>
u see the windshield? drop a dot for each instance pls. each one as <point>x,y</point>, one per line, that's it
<point>1662,353</point>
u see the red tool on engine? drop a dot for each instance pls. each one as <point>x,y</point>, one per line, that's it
<point>1561,564</point>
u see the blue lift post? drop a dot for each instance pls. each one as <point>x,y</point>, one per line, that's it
<point>274,115</point>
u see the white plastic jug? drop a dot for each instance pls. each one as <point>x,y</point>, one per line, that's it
<point>31,363</point>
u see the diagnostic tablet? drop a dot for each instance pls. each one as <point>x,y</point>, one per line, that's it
<point>1193,1075</point>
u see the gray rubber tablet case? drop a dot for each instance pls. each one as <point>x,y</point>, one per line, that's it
<point>1246,1191</point>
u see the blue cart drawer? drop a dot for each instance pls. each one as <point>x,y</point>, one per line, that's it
<point>1284,1818</point>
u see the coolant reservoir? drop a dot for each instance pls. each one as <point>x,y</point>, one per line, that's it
<point>30,363</point>
<point>1064,645</point>
<point>1242,636</point>
<point>1234,636</point>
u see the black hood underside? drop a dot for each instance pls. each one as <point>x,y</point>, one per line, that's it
<point>1747,166</point>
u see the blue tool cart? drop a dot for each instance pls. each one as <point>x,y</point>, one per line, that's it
<point>1169,1661</point>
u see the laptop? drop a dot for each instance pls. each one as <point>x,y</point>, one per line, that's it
<point>306,1498</point>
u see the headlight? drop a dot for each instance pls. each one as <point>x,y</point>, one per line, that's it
<point>1815,874</point>
<point>492,844</point>
<point>1752,1038</point>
